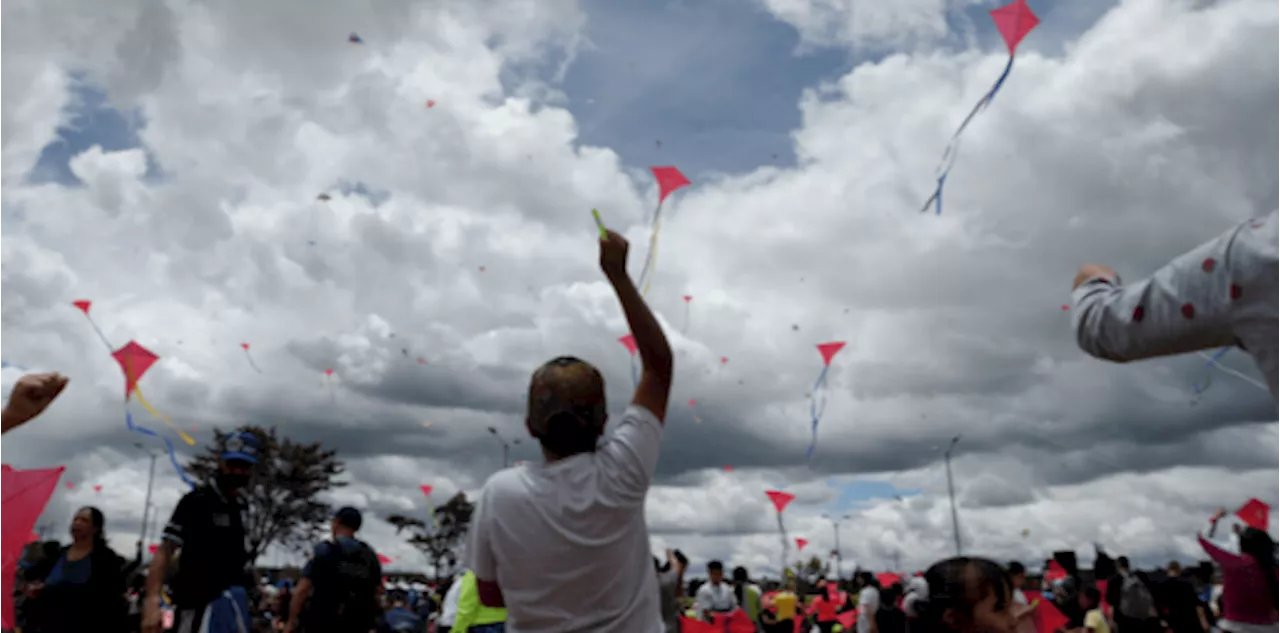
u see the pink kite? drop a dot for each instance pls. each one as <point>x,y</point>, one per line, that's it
<point>70,485</point>
<point>97,488</point>
<point>245,347</point>
<point>629,342</point>
<point>1255,514</point>
<point>780,501</point>
<point>328,372</point>
<point>153,548</point>
<point>728,469</point>
<point>25,494</point>
<point>384,559</point>
<point>135,360</point>
<point>1014,21</point>
<point>724,360</point>
<point>888,579</point>
<point>426,489</point>
<point>692,402</point>
<point>800,543</point>
<point>736,621</point>
<point>669,180</point>
<point>687,300</point>
<point>83,304</point>
<point>818,396</point>
<point>431,103</point>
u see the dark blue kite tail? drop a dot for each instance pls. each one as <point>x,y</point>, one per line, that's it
<point>953,146</point>
<point>173,459</point>
<point>815,411</point>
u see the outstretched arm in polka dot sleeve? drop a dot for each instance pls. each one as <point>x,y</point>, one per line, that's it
<point>1184,307</point>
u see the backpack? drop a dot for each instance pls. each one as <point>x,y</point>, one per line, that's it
<point>1135,598</point>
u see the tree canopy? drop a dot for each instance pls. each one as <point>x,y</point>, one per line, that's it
<point>282,498</point>
<point>441,534</point>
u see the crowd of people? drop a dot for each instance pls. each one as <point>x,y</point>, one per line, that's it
<point>562,545</point>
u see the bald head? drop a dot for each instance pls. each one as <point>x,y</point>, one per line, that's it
<point>567,410</point>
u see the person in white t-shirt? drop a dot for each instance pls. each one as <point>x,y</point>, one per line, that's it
<point>868,601</point>
<point>715,595</point>
<point>563,544</point>
<point>449,607</point>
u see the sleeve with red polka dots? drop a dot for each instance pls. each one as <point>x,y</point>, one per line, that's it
<point>1188,305</point>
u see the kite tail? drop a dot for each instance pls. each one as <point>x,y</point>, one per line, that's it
<point>163,418</point>
<point>251,363</point>
<point>816,410</point>
<point>953,146</point>
<point>646,272</point>
<point>173,459</point>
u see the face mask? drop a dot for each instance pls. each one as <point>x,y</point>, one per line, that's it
<point>232,481</point>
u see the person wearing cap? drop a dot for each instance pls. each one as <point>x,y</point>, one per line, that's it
<point>207,526</point>
<point>340,584</point>
<point>562,544</point>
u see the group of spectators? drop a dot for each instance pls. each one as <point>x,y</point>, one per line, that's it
<point>562,545</point>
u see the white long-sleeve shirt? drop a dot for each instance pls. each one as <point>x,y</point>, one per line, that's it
<point>717,598</point>
<point>1221,293</point>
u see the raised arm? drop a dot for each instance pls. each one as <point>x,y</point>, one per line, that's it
<point>31,395</point>
<point>1185,306</point>
<point>655,353</point>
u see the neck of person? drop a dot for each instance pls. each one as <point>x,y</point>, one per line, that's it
<point>343,533</point>
<point>81,545</point>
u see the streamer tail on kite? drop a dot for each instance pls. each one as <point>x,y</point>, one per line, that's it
<point>669,180</point>
<point>818,399</point>
<point>245,347</point>
<point>1014,21</point>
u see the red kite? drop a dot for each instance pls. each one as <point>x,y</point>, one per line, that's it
<point>629,342</point>
<point>26,493</point>
<point>818,397</point>
<point>97,488</point>
<point>135,360</point>
<point>385,560</point>
<point>1255,514</point>
<point>800,543</point>
<point>1014,21</point>
<point>426,489</point>
<point>669,179</point>
<point>245,347</point>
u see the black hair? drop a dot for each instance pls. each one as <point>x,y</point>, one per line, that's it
<point>684,560</point>
<point>1092,595</point>
<point>949,590</point>
<point>889,596</point>
<point>715,565</point>
<point>1123,563</point>
<point>98,521</point>
<point>1258,545</point>
<point>1016,568</point>
<point>740,584</point>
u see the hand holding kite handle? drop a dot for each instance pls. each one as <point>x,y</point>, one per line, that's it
<point>613,256</point>
<point>31,395</point>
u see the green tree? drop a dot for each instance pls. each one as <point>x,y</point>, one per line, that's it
<point>439,536</point>
<point>282,498</point>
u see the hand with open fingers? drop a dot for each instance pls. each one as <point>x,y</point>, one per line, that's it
<point>613,255</point>
<point>31,395</point>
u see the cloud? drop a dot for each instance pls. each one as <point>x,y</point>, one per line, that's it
<point>459,233</point>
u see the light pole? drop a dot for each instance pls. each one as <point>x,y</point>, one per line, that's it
<point>506,448</point>
<point>951,492</point>
<point>835,527</point>
<point>146,508</point>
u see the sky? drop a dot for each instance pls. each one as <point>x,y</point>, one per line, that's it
<point>163,159</point>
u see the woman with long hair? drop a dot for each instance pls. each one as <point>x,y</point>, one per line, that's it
<point>966,595</point>
<point>84,589</point>
<point>1249,583</point>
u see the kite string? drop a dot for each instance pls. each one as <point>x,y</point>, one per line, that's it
<point>251,363</point>
<point>635,371</point>
<point>816,410</point>
<point>953,146</point>
<point>1213,362</point>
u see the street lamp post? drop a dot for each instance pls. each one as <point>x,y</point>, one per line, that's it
<point>835,527</point>
<point>146,508</point>
<point>506,447</point>
<point>951,492</point>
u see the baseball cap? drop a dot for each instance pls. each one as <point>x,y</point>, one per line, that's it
<point>240,447</point>
<point>349,517</point>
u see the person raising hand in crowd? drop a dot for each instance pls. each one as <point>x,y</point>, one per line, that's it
<point>31,395</point>
<point>562,544</point>
<point>1221,293</point>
